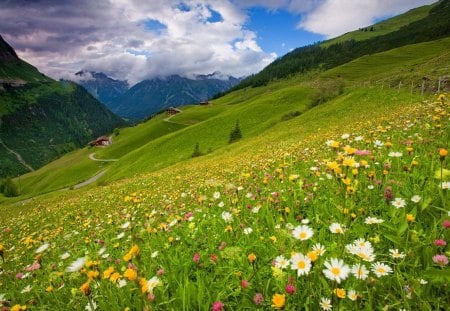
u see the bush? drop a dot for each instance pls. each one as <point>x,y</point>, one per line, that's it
<point>197,151</point>
<point>290,115</point>
<point>9,188</point>
<point>235,134</point>
<point>328,89</point>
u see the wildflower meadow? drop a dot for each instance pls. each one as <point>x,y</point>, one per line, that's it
<point>358,220</point>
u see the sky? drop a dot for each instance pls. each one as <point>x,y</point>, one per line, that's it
<point>135,40</point>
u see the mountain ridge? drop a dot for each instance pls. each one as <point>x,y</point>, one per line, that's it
<point>40,118</point>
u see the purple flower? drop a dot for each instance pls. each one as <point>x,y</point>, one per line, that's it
<point>446,224</point>
<point>34,266</point>
<point>440,260</point>
<point>196,257</point>
<point>440,242</point>
<point>217,306</point>
<point>290,289</point>
<point>258,299</point>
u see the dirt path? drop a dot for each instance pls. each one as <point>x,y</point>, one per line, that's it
<point>93,158</point>
<point>89,181</point>
<point>18,156</point>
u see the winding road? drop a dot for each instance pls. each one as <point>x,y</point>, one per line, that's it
<point>18,156</point>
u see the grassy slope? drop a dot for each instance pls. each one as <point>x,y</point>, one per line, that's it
<point>384,27</point>
<point>145,148</point>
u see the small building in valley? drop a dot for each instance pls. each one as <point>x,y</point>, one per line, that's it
<point>172,110</point>
<point>101,141</point>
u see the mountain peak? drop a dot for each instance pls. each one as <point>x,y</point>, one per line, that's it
<point>7,53</point>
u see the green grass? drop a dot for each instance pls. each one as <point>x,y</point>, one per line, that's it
<point>156,144</point>
<point>411,63</point>
<point>383,27</point>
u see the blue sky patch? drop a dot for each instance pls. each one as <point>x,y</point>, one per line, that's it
<point>154,25</point>
<point>277,30</point>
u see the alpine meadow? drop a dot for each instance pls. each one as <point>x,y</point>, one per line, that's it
<point>320,183</point>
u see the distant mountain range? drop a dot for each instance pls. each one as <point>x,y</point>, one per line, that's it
<point>148,97</point>
<point>102,87</point>
<point>40,118</point>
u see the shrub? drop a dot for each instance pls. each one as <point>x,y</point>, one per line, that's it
<point>197,151</point>
<point>290,115</point>
<point>235,134</point>
<point>9,188</point>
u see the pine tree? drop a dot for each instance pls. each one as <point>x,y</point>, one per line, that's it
<point>197,151</point>
<point>235,134</point>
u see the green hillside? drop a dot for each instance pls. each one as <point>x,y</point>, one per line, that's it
<point>42,119</point>
<point>434,26</point>
<point>336,197</point>
<point>261,112</point>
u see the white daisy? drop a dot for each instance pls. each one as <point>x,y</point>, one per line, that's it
<point>373,220</point>
<point>395,154</point>
<point>336,270</point>
<point>152,283</point>
<point>398,202</point>
<point>26,289</point>
<point>125,225</point>
<point>227,216</point>
<point>91,306</point>
<point>325,304</point>
<point>301,263</point>
<point>65,255</point>
<point>281,262</point>
<point>416,198</point>
<point>352,295</point>
<point>396,254</point>
<point>216,195</point>
<point>302,232</point>
<point>445,185</point>
<point>380,269</point>
<point>76,265</point>
<point>336,228</point>
<point>248,230</point>
<point>360,271</point>
<point>319,249</point>
<point>42,248</point>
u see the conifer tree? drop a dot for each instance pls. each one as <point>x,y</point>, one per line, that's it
<point>235,134</point>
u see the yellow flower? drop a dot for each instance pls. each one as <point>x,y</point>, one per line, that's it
<point>278,301</point>
<point>127,257</point>
<point>49,289</point>
<point>18,308</point>
<point>86,288</point>
<point>339,292</point>
<point>107,273</point>
<point>312,255</point>
<point>228,228</point>
<point>273,238</point>
<point>134,250</point>
<point>251,257</point>
<point>130,274</point>
<point>144,285</point>
<point>410,217</point>
<point>443,153</point>
<point>93,274</point>
<point>114,277</point>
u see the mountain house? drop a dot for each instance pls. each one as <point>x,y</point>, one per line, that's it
<point>101,141</point>
<point>172,110</point>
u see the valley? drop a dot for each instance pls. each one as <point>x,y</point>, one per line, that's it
<point>334,197</point>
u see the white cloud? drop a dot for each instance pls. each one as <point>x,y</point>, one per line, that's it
<point>335,17</point>
<point>61,38</point>
<point>134,39</point>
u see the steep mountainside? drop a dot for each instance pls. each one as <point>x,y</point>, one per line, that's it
<point>102,87</point>
<point>435,25</point>
<point>40,119</point>
<point>151,96</point>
